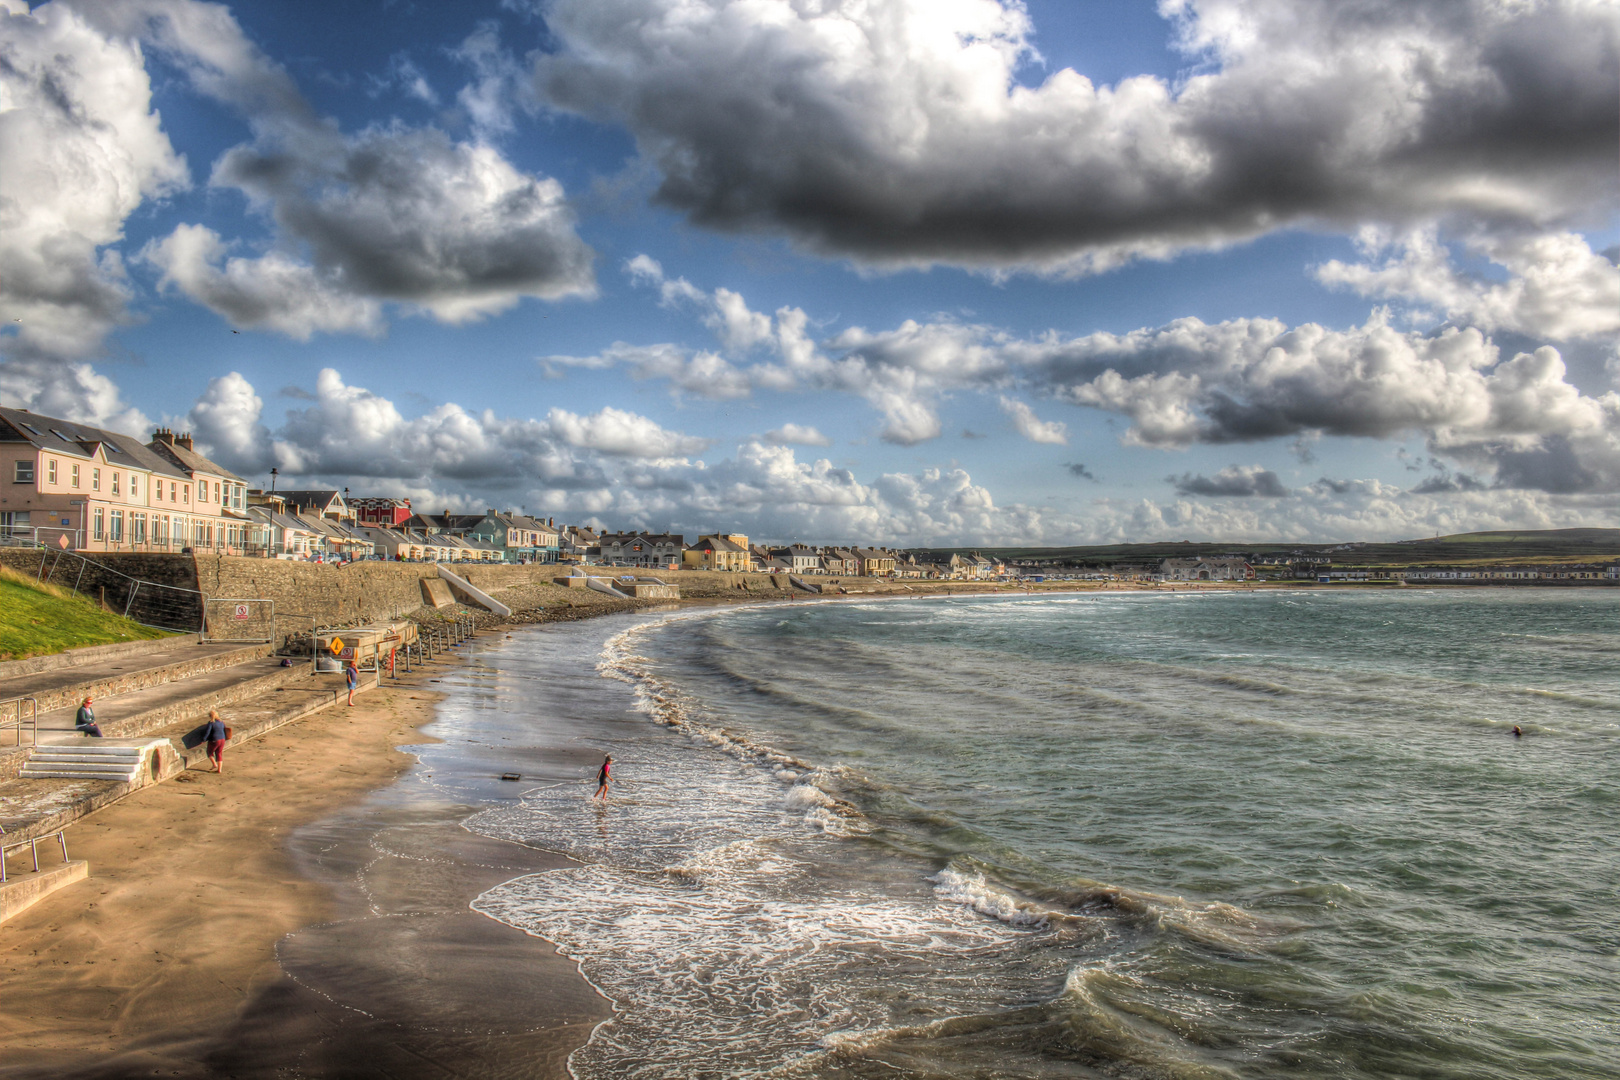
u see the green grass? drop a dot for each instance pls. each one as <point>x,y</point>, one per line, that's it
<point>38,619</point>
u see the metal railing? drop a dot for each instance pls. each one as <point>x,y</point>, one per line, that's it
<point>15,706</point>
<point>32,845</point>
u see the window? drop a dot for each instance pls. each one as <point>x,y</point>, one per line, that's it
<point>24,472</point>
<point>137,528</point>
<point>73,476</point>
<point>113,447</point>
<point>188,493</point>
<point>160,528</point>
<point>95,479</point>
<point>117,535</point>
<point>134,485</point>
<point>115,483</point>
<point>98,527</point>
<point>216,491</point>
<point>50,470</point>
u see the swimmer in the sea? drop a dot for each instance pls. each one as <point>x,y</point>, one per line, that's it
<point>602,778</point>
<point>1517,734</point>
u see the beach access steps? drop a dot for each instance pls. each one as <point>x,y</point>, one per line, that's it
<point>135,692</point>
<point>94,760</point>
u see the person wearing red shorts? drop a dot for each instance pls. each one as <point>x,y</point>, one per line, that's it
<point>215,734</point>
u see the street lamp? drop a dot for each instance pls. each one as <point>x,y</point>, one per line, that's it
<point>272,481</point>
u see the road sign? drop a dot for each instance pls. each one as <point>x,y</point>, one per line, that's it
<point>62,541</point>
<point>241,611</point>
<point>336,646</point>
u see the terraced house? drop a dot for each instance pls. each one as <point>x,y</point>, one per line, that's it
<point>84,488</point>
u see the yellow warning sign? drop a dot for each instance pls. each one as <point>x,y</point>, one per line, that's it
<point>336,646</point>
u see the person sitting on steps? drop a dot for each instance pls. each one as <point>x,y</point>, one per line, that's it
<point>85,721</point>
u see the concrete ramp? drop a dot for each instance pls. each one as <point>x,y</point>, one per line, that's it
<point>469,594</point>
<point>799,583</point>
<point>437,594</point>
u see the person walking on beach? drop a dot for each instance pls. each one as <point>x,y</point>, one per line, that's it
<point>216,735</point>
<point>85,720</point>
<point>602,775</point>
<point>351,678</point>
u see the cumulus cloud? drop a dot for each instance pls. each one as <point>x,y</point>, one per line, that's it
<point>613,465</point>
<point>1032,427</point>
<point>1183,383</point>
<point>1240,481</point>
<point>621,434</point>
<point>272,291</point>
<point>901,131</point>
<point>797,435</point>
<point>81,149</point>
<point>391,213</point>
<point>73,391</point>
<point>1557,287</point>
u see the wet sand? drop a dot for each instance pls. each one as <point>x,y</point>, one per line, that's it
<point>289,918</point>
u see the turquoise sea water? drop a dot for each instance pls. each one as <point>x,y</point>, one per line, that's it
<point>1235,834</point>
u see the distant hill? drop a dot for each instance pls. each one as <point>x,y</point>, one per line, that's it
<point>1530,546</point>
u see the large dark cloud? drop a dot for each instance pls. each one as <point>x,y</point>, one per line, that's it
<point>1238,481</point>
<point>390,213</point>
<point>895,131</point>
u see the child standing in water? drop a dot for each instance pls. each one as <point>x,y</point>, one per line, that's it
<point>602,778</point>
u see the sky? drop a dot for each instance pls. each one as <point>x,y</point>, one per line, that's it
<point>905,272</point>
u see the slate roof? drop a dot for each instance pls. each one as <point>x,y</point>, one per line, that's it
<point>189,460</point>
<point>75,440</point>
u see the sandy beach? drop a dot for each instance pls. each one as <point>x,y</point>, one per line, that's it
<point>165,961</point>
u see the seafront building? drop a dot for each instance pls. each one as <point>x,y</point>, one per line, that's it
<point>83,488</point>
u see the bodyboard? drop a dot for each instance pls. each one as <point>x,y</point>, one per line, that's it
<point>193,738</point>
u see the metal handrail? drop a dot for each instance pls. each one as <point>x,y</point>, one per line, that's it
<point>32,723</point>
<point>33,846</point>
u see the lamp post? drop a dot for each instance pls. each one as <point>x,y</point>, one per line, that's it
<point>272,481</point>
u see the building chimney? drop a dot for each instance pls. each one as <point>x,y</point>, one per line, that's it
<point>183,441</point>
<point>163,435</point>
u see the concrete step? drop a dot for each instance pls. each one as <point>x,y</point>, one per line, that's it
<point>100,761</point>
<point>124,775</point>
<point>87,749</point>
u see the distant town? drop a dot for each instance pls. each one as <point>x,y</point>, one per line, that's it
<point>81,488</point>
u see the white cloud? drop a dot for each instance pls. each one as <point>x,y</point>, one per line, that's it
<point>1558,288</point>
<point>1188,382</point>
<point>797,435</point>
<point>70,390</point>
<point>1033,427</point>
<point>898,131</point>
<point>621,434</point>
<point>225,422</point>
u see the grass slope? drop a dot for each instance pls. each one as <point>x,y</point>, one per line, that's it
<point>36,619</point>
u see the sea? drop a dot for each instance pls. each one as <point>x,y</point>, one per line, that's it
<point>1139,835</point>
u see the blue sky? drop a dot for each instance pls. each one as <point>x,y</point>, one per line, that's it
<point>921,273</point>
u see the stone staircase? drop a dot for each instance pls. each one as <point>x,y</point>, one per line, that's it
<point>92,759</point>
